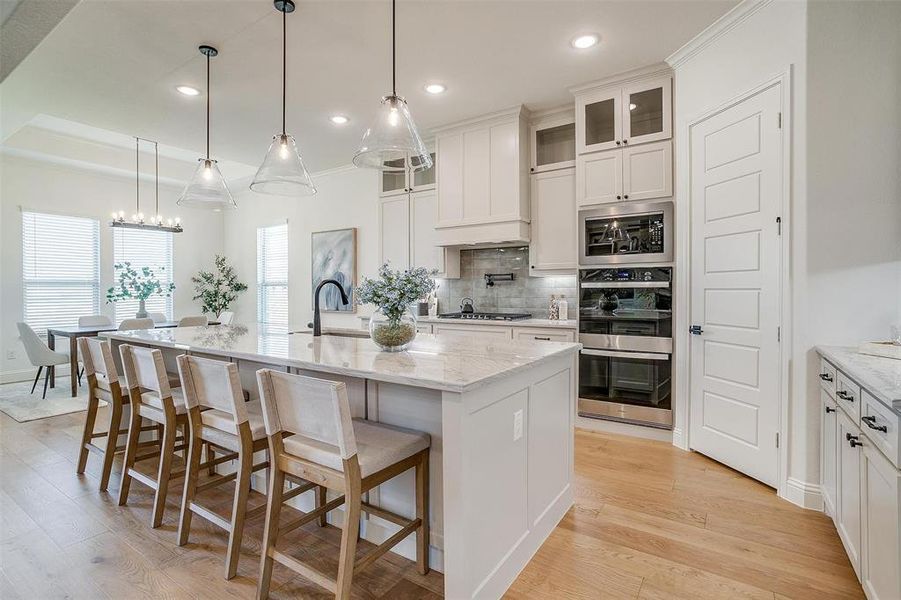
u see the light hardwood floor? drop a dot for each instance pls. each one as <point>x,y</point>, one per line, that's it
<point>650,522</point>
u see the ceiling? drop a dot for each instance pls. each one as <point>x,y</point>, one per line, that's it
<point>115,64</point>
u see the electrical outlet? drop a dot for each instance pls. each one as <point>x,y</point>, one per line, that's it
<point>11,355</point>
<point>517,425</point>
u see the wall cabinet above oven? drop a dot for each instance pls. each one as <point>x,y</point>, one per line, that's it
<point>637,173</point>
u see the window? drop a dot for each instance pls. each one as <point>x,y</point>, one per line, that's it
<point>144,248</point>
<point>60,269</point>
<point>272,275</point>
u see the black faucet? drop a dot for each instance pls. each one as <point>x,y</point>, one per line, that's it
<point>317,325</point>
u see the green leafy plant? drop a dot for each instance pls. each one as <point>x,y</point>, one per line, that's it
<point>137,285</point>
<point>394,291</point>
<point>217,290</point>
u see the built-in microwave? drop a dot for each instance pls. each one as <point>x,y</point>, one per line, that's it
<point>625,233</point>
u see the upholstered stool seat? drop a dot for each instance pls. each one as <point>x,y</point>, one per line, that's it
<point>224,421</point>
<point>152,398</point>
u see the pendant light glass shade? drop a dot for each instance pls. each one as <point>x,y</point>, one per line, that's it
<point>283,172</point>
<point>392,139</point>
<point>207,188</point>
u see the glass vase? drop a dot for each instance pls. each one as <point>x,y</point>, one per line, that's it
<point>393,334</point>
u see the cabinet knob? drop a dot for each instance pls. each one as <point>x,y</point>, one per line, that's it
<point>532,169</point>
<point>625,141</point>
<point>618,142</point>
<point>829,410</point>
<point>533,266</point>
<point>619,197</point>
<point>625,196</point>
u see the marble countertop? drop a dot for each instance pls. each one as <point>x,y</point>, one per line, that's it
<point>880,376</point>
<point>448,363</point>
<point>561,324</point>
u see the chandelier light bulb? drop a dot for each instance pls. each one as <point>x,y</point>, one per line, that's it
<point>283,152</point>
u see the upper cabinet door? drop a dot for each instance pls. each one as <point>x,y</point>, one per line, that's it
<point>599,121</point>
<point>554,220</point>
<point>599,178</point>
<point>553,145</point>
<point>423,216</point>
<point>647,111</point>
<point>392,183</point>
<point>648,171</point>
<point>424,179</point>
<point>394,232</point>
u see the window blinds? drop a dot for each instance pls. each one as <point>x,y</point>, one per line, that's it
<point>60,269</point>
<point>144,248</point>
<point>272,275</point>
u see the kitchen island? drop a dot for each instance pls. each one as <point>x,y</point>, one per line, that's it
<point>500,413</point>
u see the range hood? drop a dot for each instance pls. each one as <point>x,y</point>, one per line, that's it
<point>484,235</point>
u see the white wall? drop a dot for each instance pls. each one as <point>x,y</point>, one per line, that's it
<point>845,193</point>
<point>42,186</point>
<point>347,197</point>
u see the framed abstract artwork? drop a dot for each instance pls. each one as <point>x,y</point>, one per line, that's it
<point>334,256</point>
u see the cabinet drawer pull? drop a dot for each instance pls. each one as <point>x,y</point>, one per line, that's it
<point>870,421</point>
<point>547,339</point>
<point>844,395</point>
<point>829,410</point>
<point>825,376</point>
<point>853,440</point>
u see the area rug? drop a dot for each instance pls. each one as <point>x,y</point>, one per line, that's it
<point>18,403</point>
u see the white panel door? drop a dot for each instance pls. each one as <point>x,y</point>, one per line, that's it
<point>599,178</point>
<point>648,171</point>
<point>394,231</point>
<point>828,438</point>
<point>423,215</point>
<point>881,489</point>
<point>736,197</point>
<point>848,480</point>
<point>553,244</point>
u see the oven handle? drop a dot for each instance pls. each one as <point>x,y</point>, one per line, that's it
<point>604,285</point>
<point>636,355</point>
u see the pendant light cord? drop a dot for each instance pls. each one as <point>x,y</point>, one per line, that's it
<point>393,48</point>
<point>208,107</point>
<point>137,175</point>
<point>284,65</point>
<point>156,157</point>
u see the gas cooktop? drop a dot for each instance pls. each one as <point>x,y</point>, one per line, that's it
<point>481,316</point>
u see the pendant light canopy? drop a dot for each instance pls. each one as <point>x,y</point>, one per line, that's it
<point>393,139</point>
<point>283,172</point>
<point>207,188</point>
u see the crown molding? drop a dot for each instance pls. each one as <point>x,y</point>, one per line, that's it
<point>623,78</point>
<point>732,19</point>
<point>519,111</point>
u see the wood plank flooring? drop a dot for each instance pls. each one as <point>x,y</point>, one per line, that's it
<point>650,522</point>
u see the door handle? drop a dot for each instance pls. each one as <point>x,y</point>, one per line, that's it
<point>870,421</point>
<point>695,330</point>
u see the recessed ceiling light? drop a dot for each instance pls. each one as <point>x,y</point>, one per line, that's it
<point>338,119</point>
<point>584,41</point>
<point>435,88</point>
<point>187,90</point>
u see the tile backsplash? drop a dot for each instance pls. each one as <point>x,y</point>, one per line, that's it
<point>523,294</point>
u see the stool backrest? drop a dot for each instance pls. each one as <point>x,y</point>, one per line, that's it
<point>196,321</point>
<point>97,356</point>
<point>212,384</point>
<point>132,324</point>
<point>313,408</point>
<point>94,321</point>
<point>144,368</point>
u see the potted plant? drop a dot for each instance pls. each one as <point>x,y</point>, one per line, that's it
<point>393,325</point>
<point>135,285</point>
<point>217,290</point>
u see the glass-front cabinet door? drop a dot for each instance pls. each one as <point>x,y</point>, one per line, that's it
<point>394,182</point>
<point>554,145</point>
<point>647,111</point>
<point>424,179</point>
<point>598,121</point>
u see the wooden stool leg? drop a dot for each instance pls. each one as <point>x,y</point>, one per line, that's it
<point>239,509</point>
<point>131,448</point>
<point>422,512</point>
<point>89,421</point>
<point>191,475</point>
<point>320,500</point>
<point>270,535</point>
<point>112,439</point>
<point>351,531</point>
<point>167,450</point>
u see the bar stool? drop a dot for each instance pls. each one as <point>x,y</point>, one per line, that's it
<point>151,397</point>
<point>311,435</point>
<point>103,384</point>
<point>229,424</point>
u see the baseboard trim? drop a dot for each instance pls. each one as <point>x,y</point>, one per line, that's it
<point>28,375</point>
<point>803,494</point>
<point>605,426</point>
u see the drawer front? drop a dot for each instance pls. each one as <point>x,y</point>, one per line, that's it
<point>847,394</point>
<point>880,425</point>
<point>827,377</point>
<point>424,328</point>
<point>546,335</point>
<point>474,330</point>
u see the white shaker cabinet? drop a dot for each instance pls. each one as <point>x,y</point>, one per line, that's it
<point>553,245</point>
<point>828,437</point>
<point>553,143</point>
<point>848,487</point>
<point>394,231</point>
<point>641,173</point>
<point>599,178</point>
<point>407,235</point>
<point>881,498</point>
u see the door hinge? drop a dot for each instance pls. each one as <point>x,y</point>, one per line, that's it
<point>779,334</point>
<point>780,120</point>
<point>777,439</point>
<point>779,225</point>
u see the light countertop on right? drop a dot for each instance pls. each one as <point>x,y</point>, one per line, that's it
<point>880,376</point>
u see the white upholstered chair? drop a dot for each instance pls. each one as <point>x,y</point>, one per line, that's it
<point>95,321</point>
<point>158,317</point>
<point>194,321</point>
<point>226,317</point>
<point>311,435</point>
<point>133,324</point>
<point>40,355</point>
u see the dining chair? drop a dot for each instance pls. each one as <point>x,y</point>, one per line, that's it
<point>195,321</point>
<point>133,324</point>
<point>40,355</point>
<point>226,317</point>
<point>158,317</point>
<point>94,321</point>
<point>311,435</point>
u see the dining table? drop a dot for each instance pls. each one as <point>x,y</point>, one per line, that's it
<point>73,333</point>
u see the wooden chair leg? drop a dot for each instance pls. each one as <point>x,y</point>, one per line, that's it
<point>112,439</point>
<point>167,451</point>
<point>191,475</point>
<point>270,534</point>
<point>239,509</point>
<point>36,377</point>
<point>349,540</point>
<point>131,448</point>
<point>320,500</point>
<point>210,456</point>
<point>89,421</point>
<point>422,512</point>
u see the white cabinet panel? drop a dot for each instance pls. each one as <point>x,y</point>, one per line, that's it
<point>598,120</point>
<point>539,334</point>
<point>450,177</point>
<point>881,570</point>
<point>880,425</point>
<point>848,395</point>
<point>599,178</point>
<point>554,222</point>
<point>848,488</point>
<point>473,330</point>
<point>828,439</point>
<point>394,227</point>
<point>647,111</point>
<point>648,171</point>
<point>504,170</point>
<point>827,377</point>
<point>424,215</point>
<point>476,174</point>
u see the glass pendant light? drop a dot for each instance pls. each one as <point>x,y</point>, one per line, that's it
<point>207,188</point>
<point>283,171</point>
<point>393,139</point>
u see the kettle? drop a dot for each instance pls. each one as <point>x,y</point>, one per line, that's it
<point>466,306</point>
